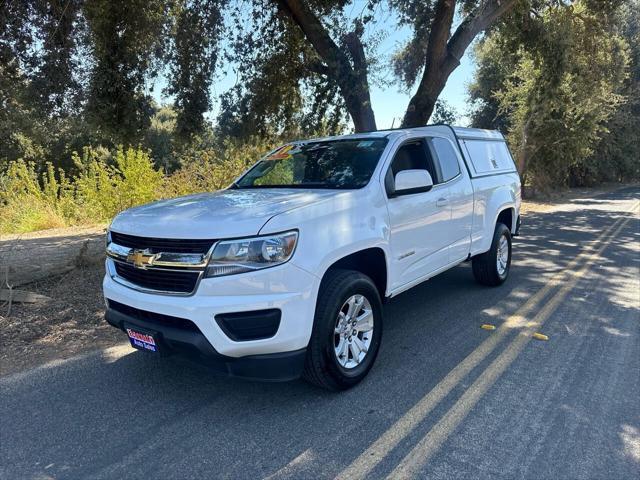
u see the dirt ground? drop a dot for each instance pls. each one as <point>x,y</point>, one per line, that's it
<point>560,200</point>
<point>73,323</point>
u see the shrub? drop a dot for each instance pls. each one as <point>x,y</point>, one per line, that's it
<point>25,205</point>
<point>109,182</point>
<point>95,187</point>
<point>137,181</point>
<point>207,170</point>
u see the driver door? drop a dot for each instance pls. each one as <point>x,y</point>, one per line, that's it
<point>418,221</point>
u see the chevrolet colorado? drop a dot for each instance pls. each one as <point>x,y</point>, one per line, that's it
<point>284,273</point>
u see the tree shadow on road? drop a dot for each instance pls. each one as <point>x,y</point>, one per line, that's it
<point>125,413</point>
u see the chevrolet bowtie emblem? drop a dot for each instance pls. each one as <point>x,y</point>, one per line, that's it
<point>141,258</point>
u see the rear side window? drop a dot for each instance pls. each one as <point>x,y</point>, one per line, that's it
<point>447,158</point>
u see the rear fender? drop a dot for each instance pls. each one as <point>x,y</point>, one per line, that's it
<point>492,202</point>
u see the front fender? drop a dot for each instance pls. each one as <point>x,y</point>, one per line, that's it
<point>334,228</point>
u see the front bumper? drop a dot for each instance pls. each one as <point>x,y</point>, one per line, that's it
<point>287,288</point>
<point>193,344</point>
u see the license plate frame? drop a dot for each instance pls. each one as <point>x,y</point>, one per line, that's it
<point>143,339</point>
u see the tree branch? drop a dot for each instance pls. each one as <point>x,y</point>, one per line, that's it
<point>356,50</point>
<point>423,101</point>
<point>444,53</point>
<point>351,79</point>
<point>317,35</point>
<point>318,67</point>
<point>440,28</point>
<point>483,16</point>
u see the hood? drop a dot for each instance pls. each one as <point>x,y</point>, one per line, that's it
<point>222,214</point>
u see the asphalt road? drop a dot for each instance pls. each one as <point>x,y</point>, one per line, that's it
<point>446,399</point>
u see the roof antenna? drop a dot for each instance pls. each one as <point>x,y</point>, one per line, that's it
<point>393,122</point>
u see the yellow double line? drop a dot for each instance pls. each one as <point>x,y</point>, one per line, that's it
<point>429,444</point>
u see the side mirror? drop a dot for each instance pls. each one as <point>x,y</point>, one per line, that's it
<point>412,181</point>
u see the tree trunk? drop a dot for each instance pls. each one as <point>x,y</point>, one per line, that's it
<point>361,113</point>
<point>444,52</point>
<point>443,56</point>
<point>355,89</point>
<point>352,79</point>
<point>522,158</point>
<point>422,103</point>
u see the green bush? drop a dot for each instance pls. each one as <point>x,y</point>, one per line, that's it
<point>207,170</point>
<point>108,182</point>
<point>29,201</point>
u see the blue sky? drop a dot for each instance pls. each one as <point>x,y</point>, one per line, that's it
<point>389,103</point>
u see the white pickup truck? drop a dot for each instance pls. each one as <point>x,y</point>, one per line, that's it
<point>285,272</point>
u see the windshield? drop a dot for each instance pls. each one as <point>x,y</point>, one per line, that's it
<point>344,164</point>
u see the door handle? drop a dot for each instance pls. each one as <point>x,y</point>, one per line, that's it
<point>442,202</point>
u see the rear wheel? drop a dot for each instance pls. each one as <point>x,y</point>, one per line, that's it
<point>492,267</point>
<point>347,331</point>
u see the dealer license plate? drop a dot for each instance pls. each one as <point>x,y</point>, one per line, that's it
<point>142,340</point>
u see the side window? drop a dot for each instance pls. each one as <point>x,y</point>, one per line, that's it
<point>447,158</point>
<point>413,156</point>
<point>410,156</point>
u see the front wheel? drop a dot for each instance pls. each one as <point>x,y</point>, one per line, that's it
<point>492,268</point>
<point>347,331</point>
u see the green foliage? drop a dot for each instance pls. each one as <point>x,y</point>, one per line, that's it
<point>615,158</point>
<point>495,62</point>
<point>108,182</point>
<point>160,138</point>
<point>138,182</point>
<point>75,73</point>
<point>197,27</point>
<point>29,201</point>
<point>214,168</point>
<point>553,92</point>
<point>280,88</point>
<point>127,39</point>
<point>55,87</point>
<point>444,113</point>
<point>408,61</point>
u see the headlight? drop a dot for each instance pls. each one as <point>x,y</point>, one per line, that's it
<point>249,254</point>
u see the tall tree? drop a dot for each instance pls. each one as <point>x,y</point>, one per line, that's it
<point>445,50</point>
<point>198,24</point>
<point>127,37</point>
<point>615,157</point>
<point>16,37</point>
<point>346,67</point>
<point>553,77</point>
<point>281,87</point>
<point>438,49</point>
<point>54,85</point>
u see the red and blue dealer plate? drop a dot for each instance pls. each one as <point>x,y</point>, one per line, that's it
<point>142,341</point>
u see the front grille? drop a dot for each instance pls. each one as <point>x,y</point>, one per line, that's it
<point>157,245</point>
<point>178,281</point>
<point>156,318</point>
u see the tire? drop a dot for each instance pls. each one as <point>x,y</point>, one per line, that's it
<point>324,367</point>
<point>485,266</point>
